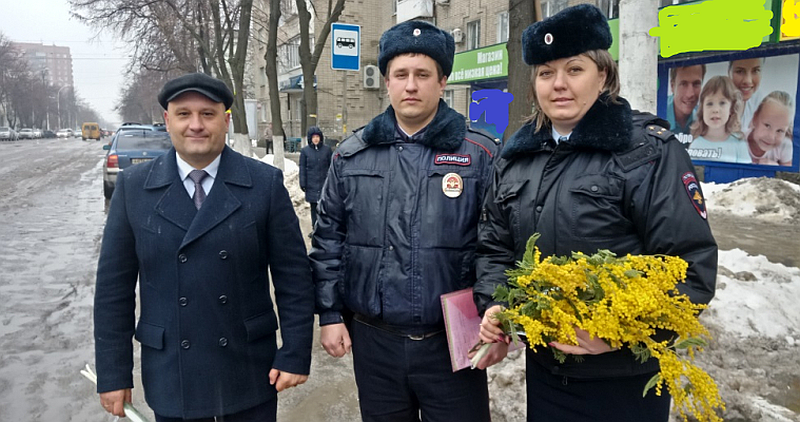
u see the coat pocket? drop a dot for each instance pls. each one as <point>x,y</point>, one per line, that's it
<point>150,335</point>
<point>261,325</point>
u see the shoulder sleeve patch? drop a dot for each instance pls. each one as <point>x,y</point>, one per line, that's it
<point>692,187</point>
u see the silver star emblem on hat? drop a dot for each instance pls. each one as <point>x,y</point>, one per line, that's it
<point>548,38</point>
<point>417,31</point>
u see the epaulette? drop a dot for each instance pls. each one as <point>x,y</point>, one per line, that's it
<point>659,132</point>
<point>485,133</point>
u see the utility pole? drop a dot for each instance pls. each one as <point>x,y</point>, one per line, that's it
<point>638,53</point>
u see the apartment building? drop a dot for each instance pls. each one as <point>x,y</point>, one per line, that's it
<point>53,62</point>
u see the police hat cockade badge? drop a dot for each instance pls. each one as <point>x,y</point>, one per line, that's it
<point>452,185</point>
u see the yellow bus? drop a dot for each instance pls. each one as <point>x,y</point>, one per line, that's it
<point>90,130</point>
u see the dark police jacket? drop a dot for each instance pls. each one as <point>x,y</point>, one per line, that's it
<point>622,182</point>
<point>398,220</point>
<point>207,324</point>
<point>314,163</point>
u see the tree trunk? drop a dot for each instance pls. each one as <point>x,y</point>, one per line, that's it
<point>521,13</point>
<point>638,53</point>
<point>309,61</point>
<point>271,58</point>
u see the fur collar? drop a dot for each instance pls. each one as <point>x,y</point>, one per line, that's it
<point>606,126</point>
<point>445,132</point>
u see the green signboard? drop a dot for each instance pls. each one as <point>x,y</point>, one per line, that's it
<point>484,63</point>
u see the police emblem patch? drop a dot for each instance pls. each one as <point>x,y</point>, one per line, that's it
<point>693,190</point>
<point>457,159</point>
<point>452,185</point>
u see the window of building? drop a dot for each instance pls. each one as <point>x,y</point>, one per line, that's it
<point>551,7</point>
<point>502,27</point>
<point>290,54</point>
<point>448,97</point>
<point>288,7</point>
<point>609,7</point>
<point>473,35</point>
<point>394,6</point>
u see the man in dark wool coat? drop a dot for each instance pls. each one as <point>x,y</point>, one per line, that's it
<point>315,159</point>
<point>397,228</point>
<point>199,227</point>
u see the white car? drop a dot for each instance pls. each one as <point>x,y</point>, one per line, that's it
<point>64,133</point>
<point>26,133</point>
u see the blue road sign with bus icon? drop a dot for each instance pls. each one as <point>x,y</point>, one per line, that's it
<point>345,46</point>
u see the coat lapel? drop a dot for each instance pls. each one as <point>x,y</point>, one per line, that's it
<point>220,202</point>
<point>174,205</point>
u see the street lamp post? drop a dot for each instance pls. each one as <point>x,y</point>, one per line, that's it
<point>58,105</point>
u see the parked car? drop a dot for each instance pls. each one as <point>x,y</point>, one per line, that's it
<point>48,134</point>
<point>26,133</point>
<point>130,147</point>
<point>64,133</point>
<point>37,133</point>
<point>8,134</point>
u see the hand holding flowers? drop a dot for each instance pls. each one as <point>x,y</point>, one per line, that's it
<point>592,304</point>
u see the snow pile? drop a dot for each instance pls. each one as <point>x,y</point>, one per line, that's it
<point>768,199</point>
<point>755,297</point>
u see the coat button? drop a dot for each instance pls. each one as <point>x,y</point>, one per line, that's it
<point>223,254</point>
<point>223,342</point>
<point>223,299</point>
<point>185,344</point>
<point>594,188</point>
<point>399,149</point>
<point>183,258</point>
<point>539,208</point>
<point>183,301</point>
<point>391,248</point>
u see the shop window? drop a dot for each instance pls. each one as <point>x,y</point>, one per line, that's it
<point>473,35</point>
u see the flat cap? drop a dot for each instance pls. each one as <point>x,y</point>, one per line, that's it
<point>417,37</point>
<point>213,88</point>
<point>570,32</point>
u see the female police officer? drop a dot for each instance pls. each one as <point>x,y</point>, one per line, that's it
<point>588,173</point>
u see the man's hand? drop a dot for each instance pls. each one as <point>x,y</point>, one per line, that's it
<point>586,345</point>
<point>335,339</point>
<point>114,401</point>
<point>283,380</point>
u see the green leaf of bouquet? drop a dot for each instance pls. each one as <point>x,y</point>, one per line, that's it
<point>652,383</point>
<point>527,257</point>
<point>690,342</point>
<point>641,352</point>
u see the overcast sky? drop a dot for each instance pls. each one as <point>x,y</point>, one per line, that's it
<point>97,64</point>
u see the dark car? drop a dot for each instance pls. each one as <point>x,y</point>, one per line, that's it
<point>130,147</point>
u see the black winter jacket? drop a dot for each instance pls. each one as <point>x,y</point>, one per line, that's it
<point>622,182</point>
<point>314,163</point>
<point>388,240</point>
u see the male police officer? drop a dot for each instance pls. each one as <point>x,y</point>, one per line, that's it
<point>397,228</point>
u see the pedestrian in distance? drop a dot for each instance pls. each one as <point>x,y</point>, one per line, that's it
<point>397,228</point>
<point>588,173</point>
<point>315,159</point>
<point>199,227</point>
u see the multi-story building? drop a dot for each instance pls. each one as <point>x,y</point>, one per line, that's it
<point>344,102</point>
<point>51,61</point>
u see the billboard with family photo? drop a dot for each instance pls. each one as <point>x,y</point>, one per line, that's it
<point>740,110</point>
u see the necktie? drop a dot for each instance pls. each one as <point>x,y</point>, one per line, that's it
<point>199,196</point>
